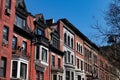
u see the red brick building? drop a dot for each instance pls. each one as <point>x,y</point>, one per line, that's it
<point>32,48</point>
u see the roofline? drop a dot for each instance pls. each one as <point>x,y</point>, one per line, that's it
<point>77,32</point>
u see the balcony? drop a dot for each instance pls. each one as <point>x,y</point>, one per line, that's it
<point>20,54</point>
<point>40,65</point>
<point>57,69</point>
<point>41,40</point>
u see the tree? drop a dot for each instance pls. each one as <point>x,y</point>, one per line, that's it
<point>113,21</point>
<point>112,33</point>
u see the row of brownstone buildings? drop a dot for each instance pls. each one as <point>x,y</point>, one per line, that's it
<point>32,48</point>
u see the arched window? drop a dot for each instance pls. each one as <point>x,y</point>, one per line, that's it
<point>72,42</point>
<point>81,49</point>
<point>69,40</point>
<point>77,46</point>
<point>65,38</point>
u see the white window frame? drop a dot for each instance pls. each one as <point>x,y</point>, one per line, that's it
<point>19,61</point>
<point>78,47</point>
<point>40,55</point>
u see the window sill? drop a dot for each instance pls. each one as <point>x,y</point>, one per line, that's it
<point>44,63</point>
<point>69,47</point>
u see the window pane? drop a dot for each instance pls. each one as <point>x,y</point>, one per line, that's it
<point>24,45</point>
<point>53,60</point>
<point>78,63</point>
<point>67,75</point>
<point>3,67</point>
<point>14,43</point>
<point>68,56</point>
<point>65,38</point>
<point>5,34</point>
<point>69,40</point>
<point>37,52</point>
<point>72,42</point>
<point>44,54</point>
<point>72,77</point>
<point>20,22</point>
<point>41,76</point>
<point>23,71</point>
<point>81,65</point>
<point>8,4</point>
<point>54,77</point>
<point>39,32</point>
<point>59,62</point>
<point>37,75</point>
<point>14,69</point>
<point>72,59</point>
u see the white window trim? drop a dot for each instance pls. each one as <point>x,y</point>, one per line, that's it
<point>41,53</point>
<point>81,46</point>
<point>18,67</point>
<point>80,59</point>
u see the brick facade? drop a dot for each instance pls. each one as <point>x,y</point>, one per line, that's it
<point>32,49</point>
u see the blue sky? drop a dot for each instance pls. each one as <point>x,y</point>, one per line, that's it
<point>81,13</point>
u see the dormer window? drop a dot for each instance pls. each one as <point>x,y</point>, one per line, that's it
<point>38,31</point>
<point>20,22</point>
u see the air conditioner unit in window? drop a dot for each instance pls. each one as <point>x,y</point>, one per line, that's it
<point>8,11</point>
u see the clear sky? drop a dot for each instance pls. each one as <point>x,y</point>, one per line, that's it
<point>81,13</point>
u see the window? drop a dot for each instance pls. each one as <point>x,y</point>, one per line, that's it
<point>54,77</point>
<point>95,59</point>
<point>72,76</point>
<point>81,65</point>
<point>23,70</point>
<point>65,38</point>
<point>39,75</point>
<point>72,61</point>
<point>5,34</point>
<point>19,69</point>
<point>68,56</point>
<point>78,63</point>
<point>59,62</point>
<point>79,77</point>
<point>55,42</point>
<point>8,4</point>
<point>53,60</point>
<point>72,42</point>
<point>81,49</point>
<point>20,22</point>
<point>44,55</point>
<point>69,40</point>
<point>24,46</point>
<point>14,69</point>
<point>14,43</point>
<point>3,67</point>
<point>60,77</point>
<point>67,75</point>
<point>65,58</point>
<point>37,52</point>
<point>39,32</point>
<point>77,47</point>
